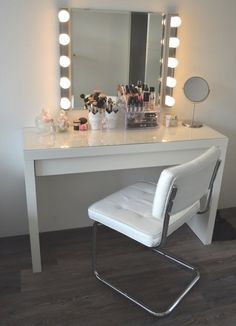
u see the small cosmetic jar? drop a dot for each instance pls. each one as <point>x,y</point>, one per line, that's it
<point>80,124</point>
<point>83,127</point>
<point>76,124</point>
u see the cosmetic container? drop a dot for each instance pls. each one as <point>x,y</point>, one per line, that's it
<point>76,124</point>
<point>142,119</point>
<point>146,95</point>
<point>152,98</point>
<point>62,122</point>
<point>168,118</point>
<point>95,119</point>
<point>44,123</point>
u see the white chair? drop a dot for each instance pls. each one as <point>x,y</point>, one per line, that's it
<point>149,213</point>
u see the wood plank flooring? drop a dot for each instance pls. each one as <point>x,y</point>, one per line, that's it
<point>66,292</point>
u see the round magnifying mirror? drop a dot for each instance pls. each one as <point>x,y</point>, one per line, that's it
<point>196,89</point>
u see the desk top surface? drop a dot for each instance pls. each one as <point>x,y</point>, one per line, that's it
<point>32,140</point>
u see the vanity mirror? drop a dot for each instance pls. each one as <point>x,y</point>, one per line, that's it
<point>100,49</point>
<point>196,90</point>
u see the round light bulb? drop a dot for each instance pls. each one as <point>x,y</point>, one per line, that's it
<point>170,82</point>
<point>65,103</point>
<point>64,39</point>
<point>174,42</point>
<point>64,61</point>
<point>172,62</point>
<point>175,21</point>
<point>169,100</point>
<point>65,82</point>
<point>63,16</point>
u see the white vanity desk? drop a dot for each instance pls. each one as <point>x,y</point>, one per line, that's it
<point>97,150</point>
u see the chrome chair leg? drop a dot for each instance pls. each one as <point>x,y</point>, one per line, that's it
<point>178,261</point>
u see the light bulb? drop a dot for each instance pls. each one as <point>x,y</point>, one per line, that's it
<point>64,39</point>
<point>65,82</point>
<point>169,100</point>
<point>64,61</point>
<point>172,62</point>
<point>174,42</point>
<point>65,103</point>
<point>175,21</point>
<point>63,16</point>
<point>170,82</point>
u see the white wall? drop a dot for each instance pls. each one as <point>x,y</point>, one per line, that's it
<point>28,82</point>
<point>29,77</point>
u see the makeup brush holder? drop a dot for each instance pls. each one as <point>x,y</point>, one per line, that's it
<point>95,120</point>
<point>111,119</point>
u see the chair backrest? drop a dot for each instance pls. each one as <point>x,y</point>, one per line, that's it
<point>192,180</point>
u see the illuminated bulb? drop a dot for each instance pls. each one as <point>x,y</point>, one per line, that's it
<point>64,39</point>
<point>65,82</point>
<point>175,21</point>
<point>172,62</point>
<point>65,103</point>
<point>63,16</point>
<point>170,82</point>
<point>169,100</point>
<point>64,61</point>
<point>174,42</point>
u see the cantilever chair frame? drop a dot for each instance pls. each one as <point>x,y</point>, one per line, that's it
<point>194,270</point>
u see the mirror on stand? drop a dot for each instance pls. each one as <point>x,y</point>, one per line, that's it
<point>196,90</point>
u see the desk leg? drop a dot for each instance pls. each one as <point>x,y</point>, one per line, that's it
<point>31,198</point>
<point>203,225</point>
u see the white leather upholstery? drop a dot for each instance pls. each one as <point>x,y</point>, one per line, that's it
<point>192,180</point>
<point>138,211</point>
<point>129,211</point>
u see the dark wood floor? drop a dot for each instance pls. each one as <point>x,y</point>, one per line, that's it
<point>66,292</point>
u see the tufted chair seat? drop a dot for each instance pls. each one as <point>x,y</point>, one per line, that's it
<point>129,211</point>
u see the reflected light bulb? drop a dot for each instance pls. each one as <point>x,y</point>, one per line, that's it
<point>172,62</point>
<point>174,42</point>
<point>175,21</point>
<point>170,82</point>
<point>169,100</point>
<point>64,39</point>
<point>65,103</point>
<point>63,16</point>
<point>64,61</point>
<point>65,82</point>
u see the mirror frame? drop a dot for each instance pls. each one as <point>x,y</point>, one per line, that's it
<point>204,81</point>
<point>167,71</point>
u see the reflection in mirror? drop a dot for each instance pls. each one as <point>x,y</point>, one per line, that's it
<point>100,49</point>
<point>113,47</point>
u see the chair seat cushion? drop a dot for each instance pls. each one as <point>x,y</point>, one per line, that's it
<point>129,211</point>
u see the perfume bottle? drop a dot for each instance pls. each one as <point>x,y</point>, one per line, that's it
<point>62,122</point>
